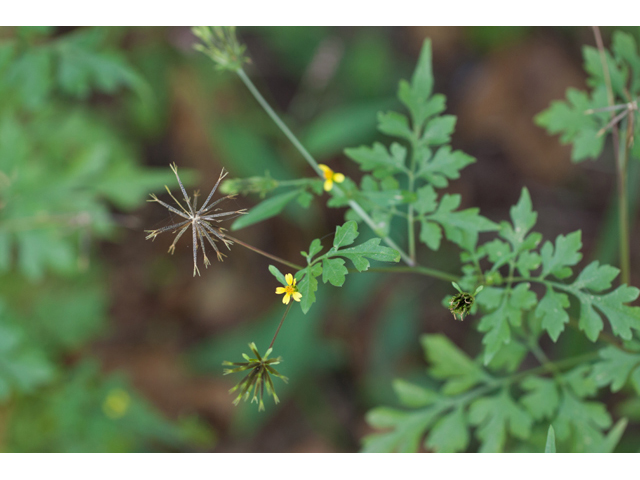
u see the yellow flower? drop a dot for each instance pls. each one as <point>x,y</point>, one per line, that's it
<point>116,404</point>
<point>290,290</point>
<point>330,177</point>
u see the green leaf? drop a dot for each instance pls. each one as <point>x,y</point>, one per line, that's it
<point>612,439</point>
<point>314,249</point>
<point>550,446</point>
<point>371,249</point>
<point>494,416</point>
<point>584,419</point>
<point>430,234</point>
<point>508,309</point>
<point>451,364</point>
<point>266,209</point>
<point>378,159</point>
<point>309,285</point>
<point>395,124</point>
<point>457,225</point>
<point>278,274</point>
<point>408,428</point>
<point>334,271</point>
<point>569,119</point>
<point>542,399</point>
<point>427,200</point>
<point>445,165</point>
<point>615,368</point>
<point>438,131</point>
<point>566,254</point>
<point>593,65</point>
<point>413,396</point>
<point>625,49</point>
<point>528,261</point>
<point>416,94</point>
<point>595,277</point>
<point>345,234</point>
<point>552,311</point>
<point>523,218</point>
<point>581,382</point>
<point>450,434</point>
<point>622,318</point>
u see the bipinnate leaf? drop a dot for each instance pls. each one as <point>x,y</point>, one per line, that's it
<point>414,396</point>
<point>552,311</point>
<point>542,398</point>
<point>616,368</point>
<point>569,119</point>
<point>371,249</point>
<point>556,261</point>
<point>415,95</point>
<point>496,415</point>
<point>450,363</point>
<point>450,434</point>
<point>378,159</point>
<point>445,165</point>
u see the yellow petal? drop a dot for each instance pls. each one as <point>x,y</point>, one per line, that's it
<point>297,296</point>
<point>280,290</point>
<point>328,185</point>
<point>338,177</point>
<point>289,278</point>
<point>326,170</point>
<point>294,282</point>
<point>286,299</point>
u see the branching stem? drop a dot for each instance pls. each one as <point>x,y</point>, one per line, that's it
<point>311,161</point>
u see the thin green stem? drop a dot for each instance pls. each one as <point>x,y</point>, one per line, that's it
<point>623,211</point>
<point>410,224</point>
<point>280,325</point>
<point>311,161</point>
<point>429,272</point>
<point>263,253</point>
<point>620,147</point>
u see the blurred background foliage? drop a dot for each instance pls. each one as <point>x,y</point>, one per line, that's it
<point>109,344</point>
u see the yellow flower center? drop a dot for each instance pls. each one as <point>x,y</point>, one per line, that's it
<point>290,289</point>
<point>328,174</point>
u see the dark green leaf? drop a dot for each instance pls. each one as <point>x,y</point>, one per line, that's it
<point>566,253</point>
<point>494,415</point>
<point>264,210</point>
<point>334,271</point>
<point>450,433</point>
<point>345,234</point>
<point>552,311</point>
<point>278,274</point>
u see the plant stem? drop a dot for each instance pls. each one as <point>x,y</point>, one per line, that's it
<point>263,253</point>
<point>311,161</point>
<point>620,152</point>
<point>429,272</point>
<point>280,325</point>
<point>410,224</point>
<point>623,212</point>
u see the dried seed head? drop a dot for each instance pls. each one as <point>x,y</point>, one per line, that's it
<point>199,219</point>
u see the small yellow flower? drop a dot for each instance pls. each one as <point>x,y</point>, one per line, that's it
<point>290,290</point>
<point>116,404</point>
<point>330,177</point>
